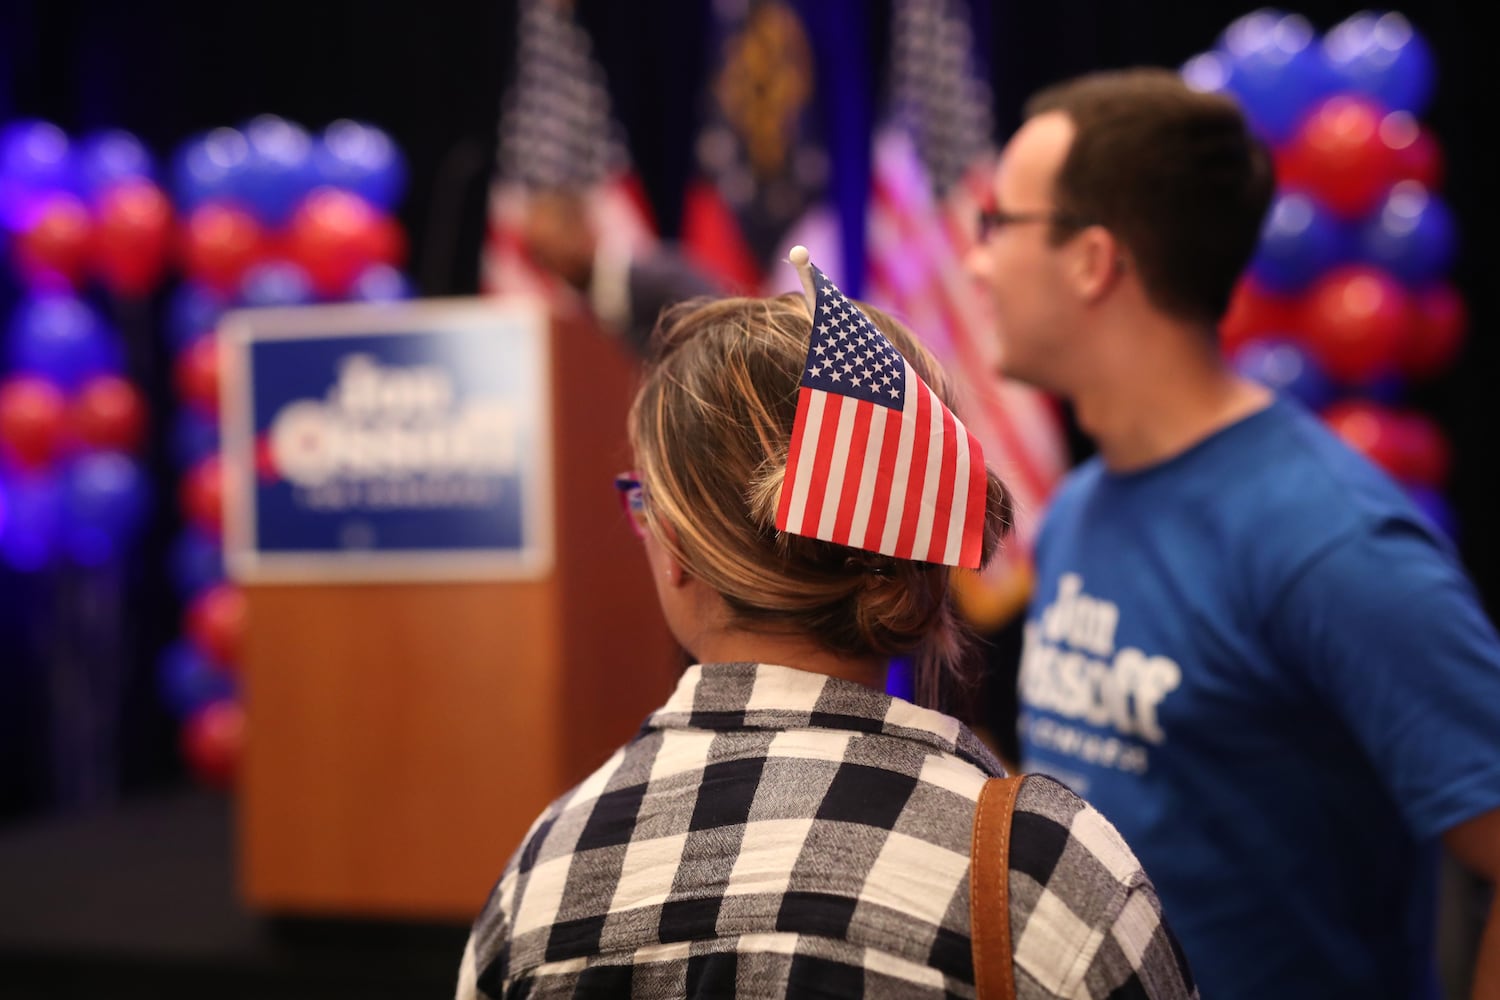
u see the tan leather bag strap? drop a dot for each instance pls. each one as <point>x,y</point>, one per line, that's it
<point>989,890</point>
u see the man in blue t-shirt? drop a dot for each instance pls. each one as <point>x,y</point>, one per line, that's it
<point>1245,647</point>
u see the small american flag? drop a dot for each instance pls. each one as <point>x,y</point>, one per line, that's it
<point>877,461</point>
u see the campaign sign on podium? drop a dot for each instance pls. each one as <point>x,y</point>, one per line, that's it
<point>387,442</point>
<point>448,622</point>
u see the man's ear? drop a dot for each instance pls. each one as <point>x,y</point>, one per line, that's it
<point>1097,262</point>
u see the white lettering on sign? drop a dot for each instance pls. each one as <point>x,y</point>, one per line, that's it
<point>385,422</point>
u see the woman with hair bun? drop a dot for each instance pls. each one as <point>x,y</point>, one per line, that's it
<point>782,826</point>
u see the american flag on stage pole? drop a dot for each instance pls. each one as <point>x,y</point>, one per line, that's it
<point>877,461</point>
<point>557,131</point>
<point>932,170</point>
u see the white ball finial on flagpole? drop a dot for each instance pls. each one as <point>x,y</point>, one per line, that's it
<point>802,261</point>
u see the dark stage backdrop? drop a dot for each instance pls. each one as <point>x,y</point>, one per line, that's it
<point>431,73</point>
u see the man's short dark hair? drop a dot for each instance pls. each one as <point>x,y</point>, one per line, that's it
<point>1175,174</point>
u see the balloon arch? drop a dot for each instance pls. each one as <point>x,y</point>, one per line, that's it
<point>1348,299</point>
<point>120,267</point>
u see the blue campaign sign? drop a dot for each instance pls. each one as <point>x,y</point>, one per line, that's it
<point>388,441</point>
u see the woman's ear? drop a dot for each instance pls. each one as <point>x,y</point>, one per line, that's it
<point>676,573</point>
<point>667,562</point>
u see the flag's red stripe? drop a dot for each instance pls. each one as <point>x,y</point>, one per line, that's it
<point>632,188</point>
<point>947,489</point>
<point>854,471</point>
<point>712,237</point>
<point>973,544</point>
<point>817,483</point>
<point>880,503</point>
<point>916,478</point>
<point>799,425</point>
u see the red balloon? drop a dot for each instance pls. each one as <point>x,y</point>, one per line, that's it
<point>32,420</point>
<point>109,414</point>
<point>390,242</point>
<point>1418,156</point>
<point>1424,454</point>
<point>202,495</point>
<point>1436,333</point>
<point>215,622</point>
<point>1371,430</point>
<point>53,250</point>
<point>132,236</point>
<point>336,234</point>
<point>213,742</point>
<point>1408,445</point>
<point>195,375</point>
<point>1339,155</point>
<point>1354,319</point>
<point>1255,312</point>
<point>219,242</point>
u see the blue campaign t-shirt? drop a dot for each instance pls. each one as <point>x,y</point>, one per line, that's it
<point>1270,672</point>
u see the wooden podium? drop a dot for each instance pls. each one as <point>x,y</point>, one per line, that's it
<point>402,737</point>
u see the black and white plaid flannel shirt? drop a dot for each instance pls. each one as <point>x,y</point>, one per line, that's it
<point>773,832</point>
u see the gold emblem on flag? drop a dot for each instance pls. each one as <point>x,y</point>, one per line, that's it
<point>766,83</point>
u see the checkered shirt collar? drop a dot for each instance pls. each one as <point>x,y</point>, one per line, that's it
<point>738,696</point>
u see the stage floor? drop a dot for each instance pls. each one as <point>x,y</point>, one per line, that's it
<point>139,902</point>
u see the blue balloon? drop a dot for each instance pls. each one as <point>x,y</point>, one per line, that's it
<point>1383,56</point>
<point>276,283</point>
<point>1208,72</point>
<point>196,562</point>
<point>62,338</point>
<point>36,152</point>
<point>192,311</point>
<point>187,680</point>
<point>210,166</point>
<point>194,438</point>
<point>1413,236</point>
<point>279,171</point>
<point>1434,507</point>
<point>29,539</point>
<point>1299,242</point>
<point>1284,366</point>
<point>110,156</point>
<point>1276,70</point>
<point>361,158</point>
<point>35,160</point>
<point>380,283</point>
<point>1249,32</point>
<point>106,497</point>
